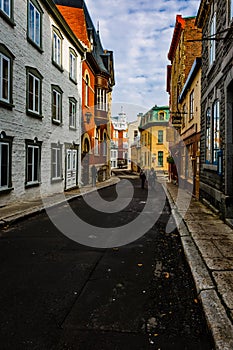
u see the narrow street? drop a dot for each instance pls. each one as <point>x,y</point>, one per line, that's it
<point>58,294</point>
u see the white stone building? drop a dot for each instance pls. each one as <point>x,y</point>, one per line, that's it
<point>40,79</point>
<point>133,136</point>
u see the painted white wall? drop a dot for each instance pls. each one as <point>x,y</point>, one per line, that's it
<point>17,123</point>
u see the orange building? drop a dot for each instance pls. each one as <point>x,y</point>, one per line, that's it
<point>97,84</point>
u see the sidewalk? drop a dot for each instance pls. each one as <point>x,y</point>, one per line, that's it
<point>208,246</point>
<point>13,212</point>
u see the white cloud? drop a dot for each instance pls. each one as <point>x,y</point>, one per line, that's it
<point>139,32</point>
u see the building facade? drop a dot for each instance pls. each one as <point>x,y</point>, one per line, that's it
<point>183,87</point>
<point>119,141</point>
<point>133,140</point>
<point>215,18</point>
<point>40,99</point>
<point>154,145</point>
<point>97,84</point>
<point>189,102</point>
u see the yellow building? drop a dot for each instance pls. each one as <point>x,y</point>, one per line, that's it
<point>190,105</point>
<point>154,147</point>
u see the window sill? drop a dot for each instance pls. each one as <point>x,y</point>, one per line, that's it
<point>9,20</point>
<point>34,115</point>
<point>34,184</point>
<point>73,81</point>
<point>6,190</point>
<point>38,48</point>
<point>6,105</point>
<point>57,66</point>
<point>55,180</point>
<point>73,128</point>
<point>56,122</point>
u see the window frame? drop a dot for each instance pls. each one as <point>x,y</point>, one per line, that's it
<point>7,55</point>
<point>216,130</point>
<point>73,117</point>
<point>8,16</point>
<point>57,53</point>
<point>87,81</point>
<point>161,116</point>
<point>32,181</point>
<point>58,107</point>
<point>160,136</point>
<point>72,65</point>
<point>191,105</point>
<point>57,175</point>
<point>6,140</point>
<point>160,156</point>
<point>101,99</point>
<point>208,137</point>
<point>31,37</point>
<point>96,141</point>
<point>35,74</point>
<point>212,43</point>
<point>230,10</point>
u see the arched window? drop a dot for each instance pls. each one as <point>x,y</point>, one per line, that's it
<point>86,90</point>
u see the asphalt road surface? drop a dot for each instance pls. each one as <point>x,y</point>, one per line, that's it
<point>59,294</point>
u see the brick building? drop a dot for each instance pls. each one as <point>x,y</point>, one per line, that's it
<point>184,51</point>
<point>97,84</point>
<point>215,18</point>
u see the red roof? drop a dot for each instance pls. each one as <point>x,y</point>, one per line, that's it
<point>76,20</point>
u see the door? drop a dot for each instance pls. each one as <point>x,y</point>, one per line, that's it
<point>71,168</point>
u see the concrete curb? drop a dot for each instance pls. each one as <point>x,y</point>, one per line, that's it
<point>215,313</point>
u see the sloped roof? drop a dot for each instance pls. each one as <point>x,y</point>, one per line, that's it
<point>77,16</point>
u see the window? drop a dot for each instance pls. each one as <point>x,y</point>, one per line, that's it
<point>56,104</point>
<point>208,137</point>
<point>216,130</point>
<point>101,99</point>
<point>57,48</point>
<point>73,65</point>
<point>34,22</point>
<point>104,144</point>
<point>160,136</point>
<point>6,64</point>
<point>230,9</point>
<point>161,116</point>
<point>96,149</point>
<point>56,162</point>
<point>212,133</point>
<point>86,90</point>
<point>6,7</point>
<point>5,162</point>
<point>33,155</point>
<point>34,92</point>
<point>72,112</point>
<point>212,36</point>
<point>160,158</point>
<point>191,105</point>
<point>135,134</point>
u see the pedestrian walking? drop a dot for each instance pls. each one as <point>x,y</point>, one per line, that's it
<point>142,177</point>
<point>93,175</point>
<point>151,178</point>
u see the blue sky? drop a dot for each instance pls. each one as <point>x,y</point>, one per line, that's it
<point>139,32</point>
